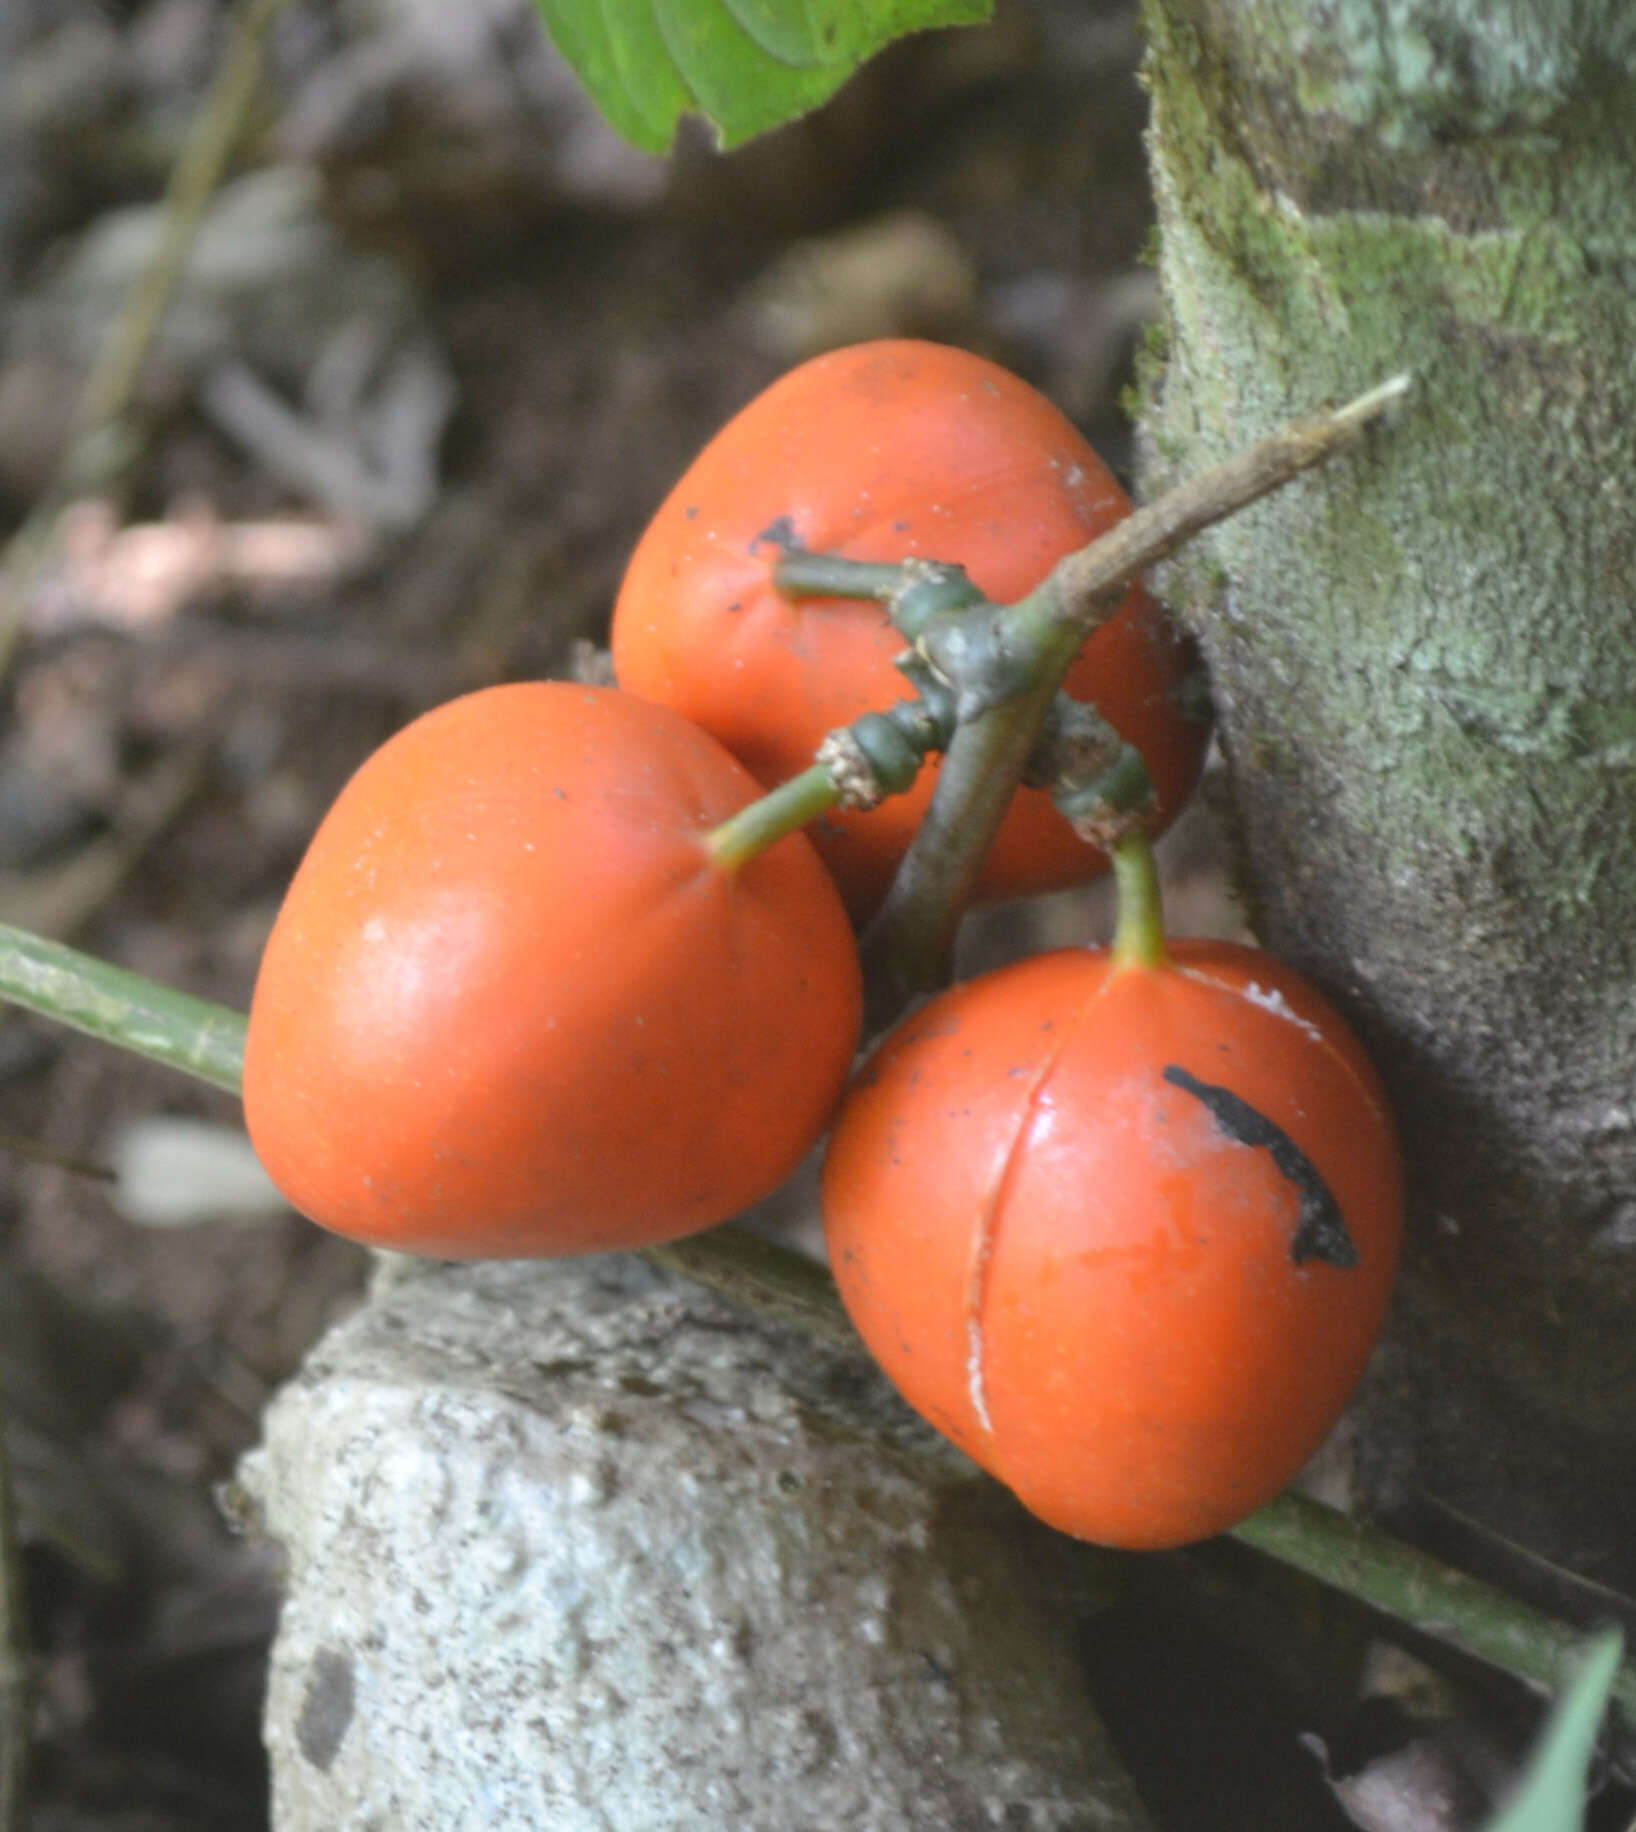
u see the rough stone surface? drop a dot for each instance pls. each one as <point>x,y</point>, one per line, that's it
<point>576,1546</point>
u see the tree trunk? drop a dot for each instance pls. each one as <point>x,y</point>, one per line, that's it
<point>1424,660</point>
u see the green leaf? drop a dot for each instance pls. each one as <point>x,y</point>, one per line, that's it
<point>745,65</point>
<point>736,84</point>
<point>1551,1796</point>
<point>618,55</point>
<point>122,1007</point>
<point>798,34</point>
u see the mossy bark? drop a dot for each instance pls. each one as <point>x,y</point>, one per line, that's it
<point>1424,660</point>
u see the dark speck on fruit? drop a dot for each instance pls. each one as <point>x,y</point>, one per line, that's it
<point>778,533</point>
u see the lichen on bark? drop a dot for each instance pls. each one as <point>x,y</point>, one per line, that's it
<point>1425,658</point>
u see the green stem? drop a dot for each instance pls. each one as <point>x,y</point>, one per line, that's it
<point>909,948</point>
<point>1349,1555</point>
<point>1405,1583</point>
<point>747,834</point>
<point>878,754</point>
<point>120,1007</point>
<point>1139,931</point>
<point>207,1041</point>
<point>913,591</point>
<point>799,574</point>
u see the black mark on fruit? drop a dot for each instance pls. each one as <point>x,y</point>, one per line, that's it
<point>1320,1229</point>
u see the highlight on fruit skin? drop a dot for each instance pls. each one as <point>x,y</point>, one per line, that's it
<point>885,451</point>
<point>512,1007</point>
<point>1125,1234</point>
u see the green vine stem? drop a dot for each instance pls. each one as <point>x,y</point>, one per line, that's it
<point>909,949</point>
<point>193,1035</point>
<point>858,765</point>
<point>1412,1587</point>
<point>1350,1556</point>
<point>207,1041</point>
<point>1004,666</point>
<point>913,591</point>
<point>777,814</point>
<point>799,574</point>
<point>1139,928</point>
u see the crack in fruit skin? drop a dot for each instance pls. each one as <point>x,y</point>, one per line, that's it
<point>1152,1361</point>
<point>991,1213</point>
<point>1320,1230</point>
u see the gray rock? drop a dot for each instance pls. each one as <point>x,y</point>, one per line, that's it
<point>577,1546</point>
